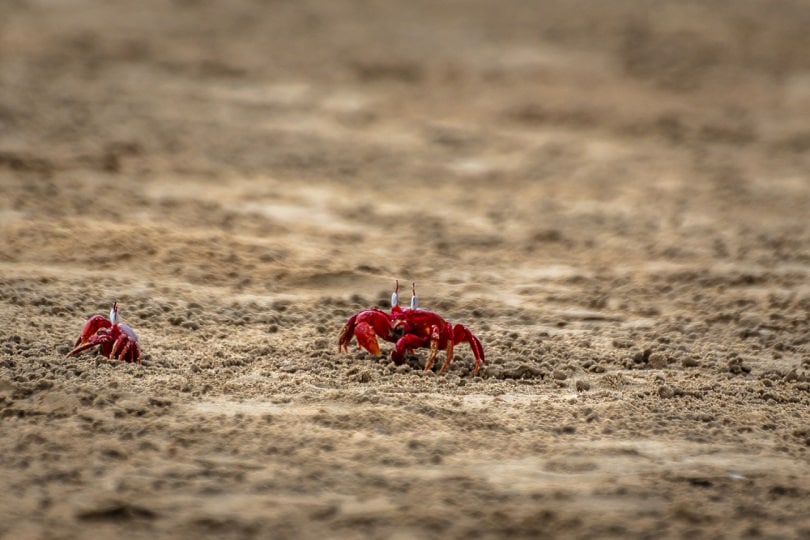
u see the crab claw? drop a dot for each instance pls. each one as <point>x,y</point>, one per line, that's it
<point>363,331</point>
<point>80,347</point>
<point>366,326</point>
<point>367,338</point>
<point>90,336</point>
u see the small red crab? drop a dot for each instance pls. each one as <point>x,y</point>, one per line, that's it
<point>409,328</point>
<point>118,341</point>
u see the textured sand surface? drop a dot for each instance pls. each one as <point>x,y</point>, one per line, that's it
<point>614,197</point>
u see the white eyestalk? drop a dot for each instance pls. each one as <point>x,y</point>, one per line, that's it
<point>414,300</point>
<point>395,297</point>
<point>114,313</point>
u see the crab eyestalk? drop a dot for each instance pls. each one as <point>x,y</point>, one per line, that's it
<point>395,296</point>
<point>414,300</point>
<point>114,313</point>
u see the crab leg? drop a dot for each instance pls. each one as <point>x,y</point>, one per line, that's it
<point>116,345</point>
<point>406,343</point>
<point>125,353</point>
<point>450,345</point>
<point>123,349</point>
<point>346,334</point>
<point>435,336</point>
<point>461,334</point>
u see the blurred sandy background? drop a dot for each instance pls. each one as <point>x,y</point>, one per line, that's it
<point>612,195</point>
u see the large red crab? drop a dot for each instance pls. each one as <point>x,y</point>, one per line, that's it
<point>117,340</point>
<point>409,328</point>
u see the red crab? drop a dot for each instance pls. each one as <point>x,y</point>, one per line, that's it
<point>410,328</point>
<point>118,341</point>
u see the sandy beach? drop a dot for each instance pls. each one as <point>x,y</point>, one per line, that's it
<point>613,197</point>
